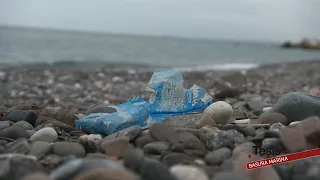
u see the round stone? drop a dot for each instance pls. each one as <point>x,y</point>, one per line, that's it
<point>218,156</point>
<point>24,124</point>
<point>220,111</point>
<point>47,134</point>
<point>68,148</point>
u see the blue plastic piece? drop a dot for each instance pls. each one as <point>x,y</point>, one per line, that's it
<point>133,112</point>
<point>168,98</point>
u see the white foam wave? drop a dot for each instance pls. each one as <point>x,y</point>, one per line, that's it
<point>220,67</point>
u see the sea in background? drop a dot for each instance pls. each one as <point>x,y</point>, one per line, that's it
<point>40,48</point>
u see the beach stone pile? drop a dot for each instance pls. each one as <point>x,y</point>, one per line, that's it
<point>38,143</point>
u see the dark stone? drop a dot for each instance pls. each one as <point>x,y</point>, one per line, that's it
<point>107,174</point>
<point>24,124</point>
<point>14,133</point>
<point>162,132</point>
<point>154,170</point>
<point>40,148</point>
<point>133,159</point>
<point>14,166</point>
<point>3,142</point>
<point>218,156</point>
<point>74,167</point>
<point>20,146</point>
<point>115,147</point>
<point>227,93</point>
<point>64,116</point>
<point>157,147</point>
<point>176,158</point>
<point>191,142</point>
<point>297,106</point>
<point>22,115</point>
<point>273,117</point>
<point>143,140</point>
<point>68,148</point>
<point>4,125</point>
<point>102,108</point>
<point>131,132</point>
<point>273,143</point>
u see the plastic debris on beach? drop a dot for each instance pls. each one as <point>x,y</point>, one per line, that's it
<point>133,112</point>
<point>168,98</point>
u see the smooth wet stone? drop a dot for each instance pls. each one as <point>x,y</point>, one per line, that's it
<point>273,144</point>
<point>68,148</point>
<point>16,166</point>
<point>176,158</point>
<point>74,167</point>
<point>220,111</point>
<point>131,132</point>
<point>21,146</point>
<point>163,132</point>
<point>40,148</point>
<point>143,140</point>
<point>218,139</point>
<point>297,106</point>
<point>47,134</point>
<point>302,169</point>
<point>250,130</point>
<point>4,125</point>
<point>191,142</point>
<point>14,133</point>
<point>133,159</point>
<point>115,147</point>
<point>195,121</point>
<point>244,149</point>
<point>3,142</point>
<point>273,117</point>
<point>22,115</point>
<point>90,142</point>
<point>230,176</point>
<point>216,157</point>
<point>276,127</point>
<point>154,170</point>
<point>156,147</point>
<point>36,176</point>
<point>302,136</point>
<point>187,172</point>
<point>31,132</point>
<point>102,108</point>
<point>107,174</point>
<point>24,124</point>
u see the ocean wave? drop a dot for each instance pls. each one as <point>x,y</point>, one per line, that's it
<point>220,67</point>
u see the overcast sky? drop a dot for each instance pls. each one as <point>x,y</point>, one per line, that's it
<point>235,19</point>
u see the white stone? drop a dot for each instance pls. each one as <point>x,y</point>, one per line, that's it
<point>220,111</point>
<point>96,138</point>
<point>266,109</point>
<point>188,172</point>
<point>47,134</point>
<point>293,123</point>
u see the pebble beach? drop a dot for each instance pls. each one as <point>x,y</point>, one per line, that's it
<point>274,106</point>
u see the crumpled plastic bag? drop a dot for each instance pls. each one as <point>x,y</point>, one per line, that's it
<point>133,112</point>
<point>168,98</point>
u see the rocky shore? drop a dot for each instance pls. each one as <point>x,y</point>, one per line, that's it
<point>304,44</point>
<point>39,141</point>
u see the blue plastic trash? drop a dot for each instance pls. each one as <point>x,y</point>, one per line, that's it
<point>168,98</point>
<point>133,112</point>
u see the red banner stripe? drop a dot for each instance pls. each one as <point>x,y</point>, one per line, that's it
<point>283,159</point>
